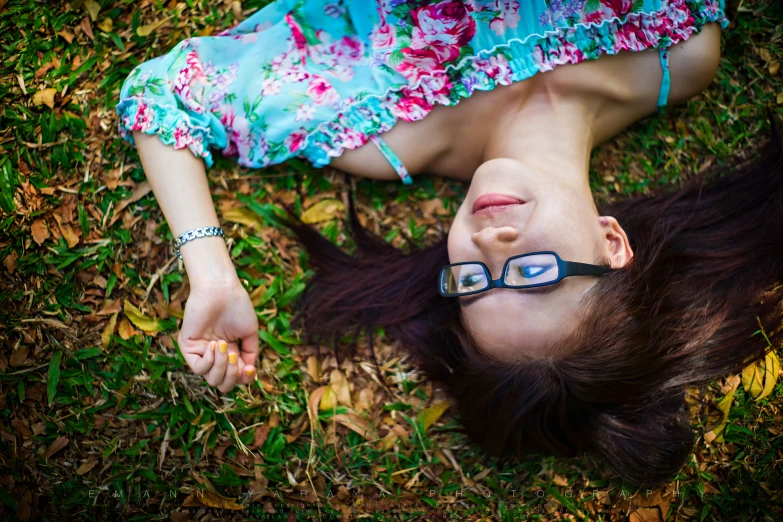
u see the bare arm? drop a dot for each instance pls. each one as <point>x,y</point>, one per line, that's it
<point>218,307</point>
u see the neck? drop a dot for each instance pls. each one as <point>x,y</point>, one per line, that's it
<point>550,134</point>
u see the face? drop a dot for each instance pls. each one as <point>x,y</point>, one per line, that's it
<point>511,209</point>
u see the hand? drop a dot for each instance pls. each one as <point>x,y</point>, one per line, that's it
<point>217,315</point>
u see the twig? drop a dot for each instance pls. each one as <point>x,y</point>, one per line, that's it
<point>155,277</point>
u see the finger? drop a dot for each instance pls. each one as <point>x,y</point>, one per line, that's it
<point>249,357</point>
<point>218,371</point>
<point>192,351</point>
<point>230,379</point>
<point>202,365</point>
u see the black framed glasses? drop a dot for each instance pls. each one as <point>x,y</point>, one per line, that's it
<point>520,271</point>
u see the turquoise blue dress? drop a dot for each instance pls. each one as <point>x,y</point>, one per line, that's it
<point>310,78</point>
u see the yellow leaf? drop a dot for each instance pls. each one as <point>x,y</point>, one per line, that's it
<point>324,210</point>
<point>752,380</point>
<point>146,30</point>
<point>429,415</point>
<point>93,8</point>
<point>109,330</point>
<point>339,384</point>
<point>243,216</point>
<point>45,97</point>
<point>771,370</point>
<point>107,25</point>
<point>328,400</point>
<point>716,434</point>
<point>148,324</point>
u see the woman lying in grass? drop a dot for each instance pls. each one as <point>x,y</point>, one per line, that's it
<point>588,343</point>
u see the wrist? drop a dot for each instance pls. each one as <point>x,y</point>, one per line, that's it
<point>207,261</point>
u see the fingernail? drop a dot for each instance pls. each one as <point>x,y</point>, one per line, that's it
<point>223,346</point>
<point>232,358</point>
<point>249,371</point>
<point>212,345</point>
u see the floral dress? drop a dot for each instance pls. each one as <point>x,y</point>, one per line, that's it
<point>311,78</point>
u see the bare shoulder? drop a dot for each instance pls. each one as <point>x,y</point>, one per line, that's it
<point>694,63</point>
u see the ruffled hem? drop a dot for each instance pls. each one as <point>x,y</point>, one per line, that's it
<point>172,125</point>
<point>378,113</point>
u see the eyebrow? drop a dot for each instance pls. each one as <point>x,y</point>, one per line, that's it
<point>469,300</point>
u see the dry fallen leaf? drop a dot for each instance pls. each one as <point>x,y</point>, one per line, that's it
<point>314,368</point>
<point>106,25</point>
<point>243,216</point>
<point>126,329</point>
<point>356,423</point>
<point>428,416</point>
<point>45,97</point>
<point>324,210</point>
<point>146,30</point>
<point>339,384</point>
<point>93,8</point>
<point>87,466</point>
<point>10,261</point>
<point>39,231</point>
<point>716,434</point>
<point>148,324</point>
<point>58,444</point>
<point>328,399</point>
<point>759,378</point>
<point>109,330</point>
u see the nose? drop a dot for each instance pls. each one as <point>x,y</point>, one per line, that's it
<point>493,238</point>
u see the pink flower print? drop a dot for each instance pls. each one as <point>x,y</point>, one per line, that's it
<point>410,108</point>
<point>384,36</point>
<point>509,16</point>
<point>143,120</point>
<point>189,74</point>
<point>496,67</point>
<point>295,75</point>
<point>305,112</point>
<point>570,53</point>
<point>270,86</point>
<point>295,140</point>
<point>596,17</point>
<point>348,48</point>
<point>418,64</point>
<point>298,35</point>
<point>182,137</point>
<point>322,92</point>
<point>618,7</point>
<point>444,28</point>
<point>351,138</point>
<point>237,130</point>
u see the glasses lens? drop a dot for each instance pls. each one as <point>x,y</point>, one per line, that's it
<point>531,270</point>
<point>462,279</point>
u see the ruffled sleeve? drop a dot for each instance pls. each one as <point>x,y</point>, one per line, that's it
<point>167,97</point>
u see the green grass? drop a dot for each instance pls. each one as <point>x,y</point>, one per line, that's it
<point>139,434</point>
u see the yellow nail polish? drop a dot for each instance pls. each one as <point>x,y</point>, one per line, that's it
<point>232,358</point>
<point>250,371</point>
<point>212,345</point>
<point>222,346</point>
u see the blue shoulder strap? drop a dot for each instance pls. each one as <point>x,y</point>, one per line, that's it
<point>663,95</point>
<point>392,158</point>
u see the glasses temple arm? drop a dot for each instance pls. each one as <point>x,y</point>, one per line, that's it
<point>574,268</point>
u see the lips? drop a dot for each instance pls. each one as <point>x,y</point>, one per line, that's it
<point>489,204</point>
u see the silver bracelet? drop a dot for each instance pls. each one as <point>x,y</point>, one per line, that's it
<point>196,233</point>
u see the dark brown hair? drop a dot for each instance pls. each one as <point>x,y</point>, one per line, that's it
<point>682,313</point>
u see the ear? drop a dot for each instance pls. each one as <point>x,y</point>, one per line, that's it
<point>614,242</point>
